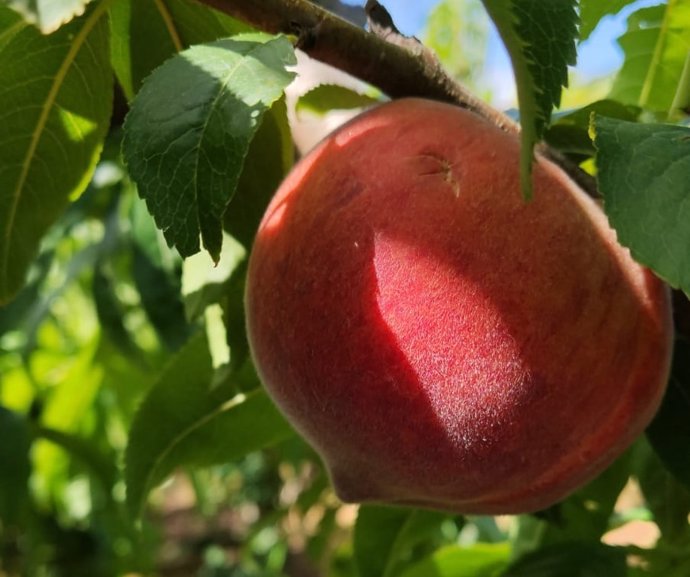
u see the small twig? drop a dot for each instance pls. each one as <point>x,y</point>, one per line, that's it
<point>399,66</point>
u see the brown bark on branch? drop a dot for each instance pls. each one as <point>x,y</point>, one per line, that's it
<point>399,69</point>
<point>396,70</point>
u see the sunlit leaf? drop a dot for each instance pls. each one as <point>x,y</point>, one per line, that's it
<point>540,39</point>
<point>656,46</point>
<point>190,127</point>
<point>481,560</point>
<point>147,32</point>
<point>48,15</point>
<point>592,11</point>
<point>86,453</point>
<point>55,98</point>
<point>325,97</point>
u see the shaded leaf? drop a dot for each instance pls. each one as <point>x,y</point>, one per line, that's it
<point>270,157</point>
<point>665,496</point>
<point>184,422</point>
<point>146,33</point>
<point>15,465</point>
<point>48,15</point>
<point>110,311</point>
<point>569,132</point>
<point>480,560</point>
<point>576,559</point>
<point>656,46</point>
<point>52,134</point>
<point>326,97</point>
<point>669,432</point>
<point>385,537</point>
<point>540,39</point>
<point>189,129</point>
<point>592,11</point>
<point>161,298</point>
<point>644,175</point>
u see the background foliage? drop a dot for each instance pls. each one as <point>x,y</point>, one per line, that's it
<point>136,437</point>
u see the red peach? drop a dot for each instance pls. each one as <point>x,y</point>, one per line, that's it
<point>439,341</point>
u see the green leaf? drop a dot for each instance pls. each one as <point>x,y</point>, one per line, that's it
<point>569,132</point>
<point>592,11</point>
<point>161,299</point>
<point>480,560</point>
<point>190,127</point>
<point>665,496</point>
<point>16,467</point>
<point>385,537</point>
<point>576,559</point>
<point>669,432</point>
<point>87,453</point>
<point>270,157</point>
<point>48,15</point>
<point>656,46</point>
<point>147,32</point>
<point>326,97</point>
<point>586,514</point>
<point>458,31</point>
<point>10,24</point>
<point>643,173</point>
<point>540,39</point>
<point>110,311</point>
<point>56,98</point>
<point>184,422</point>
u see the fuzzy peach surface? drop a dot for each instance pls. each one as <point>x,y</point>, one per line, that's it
<point>439,341</point>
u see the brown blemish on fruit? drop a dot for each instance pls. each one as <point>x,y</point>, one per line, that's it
<point>441,166</point>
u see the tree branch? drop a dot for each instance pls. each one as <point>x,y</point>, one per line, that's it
<point>399,69</point>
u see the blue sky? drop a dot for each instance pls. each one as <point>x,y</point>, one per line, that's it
<point>598,56</point>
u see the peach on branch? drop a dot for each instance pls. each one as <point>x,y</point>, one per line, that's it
<point>440,341</point>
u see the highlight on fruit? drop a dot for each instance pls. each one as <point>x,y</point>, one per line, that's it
<point>441,342</point>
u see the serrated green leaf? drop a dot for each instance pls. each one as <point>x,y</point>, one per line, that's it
<point>189,129</point>
<point>592,11</point>
<point>540,39</point>
<point>669,432</point>
<point>326,97</point>
<point>184,422</point>
<point>480,560</point>
<point>574,559</point>
<point>48,15</point>
<point>16,467</point>
<point>56,98</point>
<point>644,176</point>
<point>656,46</point>
<point>147,32</point>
